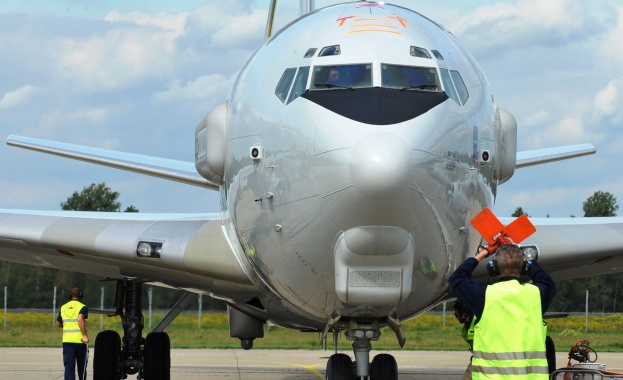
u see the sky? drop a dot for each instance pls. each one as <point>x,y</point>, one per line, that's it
<point>138,76</point>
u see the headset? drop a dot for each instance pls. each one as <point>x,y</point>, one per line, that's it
<point>494,270</point>
<point>80,294</point>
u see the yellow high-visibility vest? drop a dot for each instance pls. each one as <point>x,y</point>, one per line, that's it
<point>69,314</point>
<point>468,333</point>
<point>509,339</point>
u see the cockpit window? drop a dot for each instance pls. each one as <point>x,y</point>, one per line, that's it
<point>410,77</point>
<point>310,52</point>
<point>330,50</point>
<point>448,86</point>
<point>283,87</point>
<point>461,89</point>
<point>342,76</point>
<point>300,83</point>
<point>454,86</point>
<point>419,52</point>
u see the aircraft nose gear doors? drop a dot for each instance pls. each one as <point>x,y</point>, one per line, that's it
<point>383,366</point>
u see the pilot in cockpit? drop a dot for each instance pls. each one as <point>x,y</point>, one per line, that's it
<point>333,76</point>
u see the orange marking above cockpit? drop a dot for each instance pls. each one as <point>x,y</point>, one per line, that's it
<point>401,20</point>
<point>343,19</point>
<point>370,24</point>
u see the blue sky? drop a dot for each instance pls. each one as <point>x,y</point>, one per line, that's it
<point>138,76</point>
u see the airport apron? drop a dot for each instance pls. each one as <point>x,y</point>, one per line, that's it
<point>69,314</point>
<point>509,339</point>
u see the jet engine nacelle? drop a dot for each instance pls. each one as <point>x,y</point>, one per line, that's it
<point>210,144</point>
<point>506,136</point>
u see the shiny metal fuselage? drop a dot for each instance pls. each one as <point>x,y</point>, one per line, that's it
<point>322,175</point>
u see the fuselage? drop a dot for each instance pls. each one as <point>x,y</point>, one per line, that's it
<point>359,199</point>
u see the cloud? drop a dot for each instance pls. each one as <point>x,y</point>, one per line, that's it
<point>174,22</point>
<point>18,97</point>
<point>204,87</point>
<point>544,200</point>
<point>526,23</point>
<point>613,40</point>
<point>124,55</point>
<point>34,194</point>
<point>608,103</point>
<point>230,24</point>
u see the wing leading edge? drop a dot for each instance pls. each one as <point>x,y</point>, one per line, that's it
<point>571,248</point>
<point>196,252</point>
<point>174,170</point>
<point>543,156</point>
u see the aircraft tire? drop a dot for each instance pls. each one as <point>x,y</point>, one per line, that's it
<point>384,367</point>
<point>157,356</point>
<point>340,367</point>
<point>106,355</point>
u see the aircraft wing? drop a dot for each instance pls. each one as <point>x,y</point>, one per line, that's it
<point>543,156</point>
<point>174,170</point>
<point>576,247</point>
<point>189,251</point>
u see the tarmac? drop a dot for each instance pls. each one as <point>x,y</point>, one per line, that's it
<point>187,364</point>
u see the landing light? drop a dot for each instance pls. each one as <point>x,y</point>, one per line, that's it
<point>149,249</point>
<point>531,252</point>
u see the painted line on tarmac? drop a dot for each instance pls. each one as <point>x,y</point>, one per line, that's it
<point>311,367</point>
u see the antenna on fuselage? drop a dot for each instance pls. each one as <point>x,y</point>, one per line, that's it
<point>271,18</point>
<point>305,6</point>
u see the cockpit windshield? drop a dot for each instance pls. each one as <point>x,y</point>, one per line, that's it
<point>410,77</point>
<point>342,76</point>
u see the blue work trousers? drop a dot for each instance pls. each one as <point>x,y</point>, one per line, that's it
<point>75,353</point>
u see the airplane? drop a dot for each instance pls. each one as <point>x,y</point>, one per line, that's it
<point>353,150</point>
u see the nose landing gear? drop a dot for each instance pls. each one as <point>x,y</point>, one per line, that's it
<point>341,367</point>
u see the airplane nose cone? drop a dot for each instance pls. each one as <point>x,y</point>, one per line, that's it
<point>379,166</point>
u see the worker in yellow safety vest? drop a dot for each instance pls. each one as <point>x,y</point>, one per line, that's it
<point>71,318</point>
<point>509,332</point>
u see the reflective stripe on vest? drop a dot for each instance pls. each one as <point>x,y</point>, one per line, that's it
<point>69,315</point>
<point>509,339</point>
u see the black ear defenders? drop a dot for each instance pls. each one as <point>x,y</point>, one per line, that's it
<point>492,267</point>
<point>494,270</point>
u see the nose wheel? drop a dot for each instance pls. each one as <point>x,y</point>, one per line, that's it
<point>341,367</point>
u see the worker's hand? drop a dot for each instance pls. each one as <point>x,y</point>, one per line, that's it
<point>492,248</point>
<point>504,240</point>
<point>85,339</point>
<point>499,241</point>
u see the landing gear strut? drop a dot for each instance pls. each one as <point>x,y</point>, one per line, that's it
<point>149,358</point>
<point>341,367</point>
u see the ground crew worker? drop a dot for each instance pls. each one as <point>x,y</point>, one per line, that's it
<point>509,332</point>
<point>71,318</point>
<point>464,316</point>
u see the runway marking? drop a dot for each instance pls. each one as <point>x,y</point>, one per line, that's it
<point>311,368</point>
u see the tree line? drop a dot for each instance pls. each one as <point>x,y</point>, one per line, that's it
<point>33,287</point>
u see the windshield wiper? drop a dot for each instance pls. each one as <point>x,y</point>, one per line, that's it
<point>419,87</point>
<point>331,85</point>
